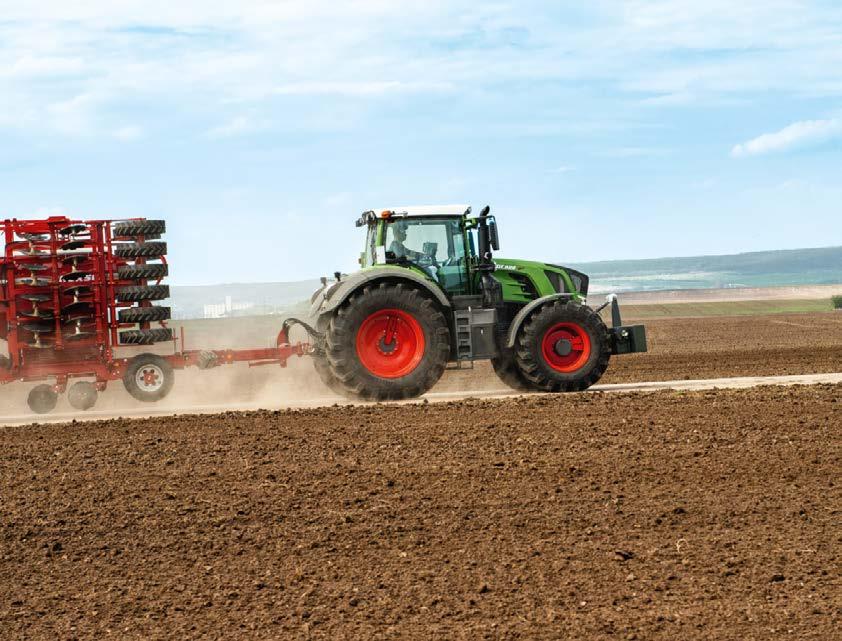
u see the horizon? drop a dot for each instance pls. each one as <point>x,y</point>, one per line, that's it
<point>579,264</point>
<point>257,130</point>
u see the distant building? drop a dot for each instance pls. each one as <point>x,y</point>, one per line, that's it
<point>228,308</point>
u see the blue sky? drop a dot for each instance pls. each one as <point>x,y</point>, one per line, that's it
<point>260,129</point>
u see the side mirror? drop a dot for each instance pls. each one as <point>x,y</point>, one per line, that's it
<point>493,236</point>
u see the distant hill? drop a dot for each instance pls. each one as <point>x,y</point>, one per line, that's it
<point>756,269</point>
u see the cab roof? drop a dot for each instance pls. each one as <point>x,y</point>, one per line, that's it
<point>415,211</point>
<point>430,210</point>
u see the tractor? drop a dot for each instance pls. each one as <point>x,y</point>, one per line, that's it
<point>430,293</point>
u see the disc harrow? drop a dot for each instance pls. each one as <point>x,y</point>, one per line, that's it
<point>76,302</point>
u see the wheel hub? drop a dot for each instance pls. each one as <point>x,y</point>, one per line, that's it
<point>566,347</point>
<point>563,347</point>
<point>150,378</point>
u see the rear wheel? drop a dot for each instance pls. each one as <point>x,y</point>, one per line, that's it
<point>388,342</point>
<point>563,347</point>
<point>322,368</point>
<point>507,371</point>
<point>149,378</point>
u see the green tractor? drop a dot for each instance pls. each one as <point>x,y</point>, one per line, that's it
<point>430,293</point>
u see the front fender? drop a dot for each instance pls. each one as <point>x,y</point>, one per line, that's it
<point>524,313</point>
<point>338,293</point>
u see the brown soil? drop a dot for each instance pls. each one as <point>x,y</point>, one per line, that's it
<point>644,516</point>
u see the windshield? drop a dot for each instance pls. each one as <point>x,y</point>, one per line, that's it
<point>438,240</point>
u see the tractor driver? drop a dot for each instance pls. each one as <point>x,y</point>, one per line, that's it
<point>398,248</point>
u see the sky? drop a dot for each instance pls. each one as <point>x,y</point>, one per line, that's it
<point>261,129</point>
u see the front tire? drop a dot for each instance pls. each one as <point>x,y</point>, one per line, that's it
<point>563,347</point>
<point>387,342</point>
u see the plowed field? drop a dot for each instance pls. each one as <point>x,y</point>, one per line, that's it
<point>669,515</point>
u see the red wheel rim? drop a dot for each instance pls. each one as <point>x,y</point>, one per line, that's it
<point>390,343</point>
<point>566,347</point>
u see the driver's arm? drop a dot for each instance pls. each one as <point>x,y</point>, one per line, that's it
<point>400,250</point>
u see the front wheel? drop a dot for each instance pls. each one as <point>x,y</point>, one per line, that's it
<point>563,347</point>
<point>388,342</point>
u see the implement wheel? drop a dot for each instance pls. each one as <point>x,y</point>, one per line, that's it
<point>149,378</point>
<point>563,347</point>
<point>82,395</point>
<point>387,342</point>
<point>42,399</point>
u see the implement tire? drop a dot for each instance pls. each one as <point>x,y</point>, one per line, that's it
<point>153,271</point>
<point>137,293</point>
<point>140,250</point>
<point>387,342</point>
<point>563,347</point>
<point>131,228</point>
<point>144,314</point>
<point>146,336</point>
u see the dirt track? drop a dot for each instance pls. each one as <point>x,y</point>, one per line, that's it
<point>648,516</point>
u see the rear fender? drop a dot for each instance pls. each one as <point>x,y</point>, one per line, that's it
<point>335,295</point>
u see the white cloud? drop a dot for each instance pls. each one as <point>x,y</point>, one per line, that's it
<point>563,169</point>
<point>237,126</point>
<point>796,135</point>
<point>196,57</point>
<point>128,133</point>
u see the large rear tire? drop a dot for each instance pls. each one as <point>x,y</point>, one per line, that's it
<point>563,347</point>
<point>507,371</point>
<point>387,342</point>
<point>322,368</point>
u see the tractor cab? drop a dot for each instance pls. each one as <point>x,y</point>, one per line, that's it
<point>438,242</point>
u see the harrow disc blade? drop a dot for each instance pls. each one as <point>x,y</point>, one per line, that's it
<point>75,275</point>
<point>38,314</point>
<point>74,258</point>
<point>36,298</point>
<point>78,290</point>
<point>73,244</point>
<point>79,336</point>
<point>39,345</point>
<point>77,306</point>
<point>39,329</point>
<point>33,282</point>
<point>30,251</point>
<point>79,319</point>
<point>33,267</point>
<point>72,230</point>
<point>35,238</point>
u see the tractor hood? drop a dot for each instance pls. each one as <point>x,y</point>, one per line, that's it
<point>563,279</point>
